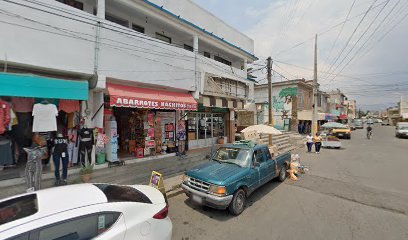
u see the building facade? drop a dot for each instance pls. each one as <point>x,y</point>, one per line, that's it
<point>292,104</point>
<point>337,105</point>
<point>403,109</point>
<point>169,59</point>
<point>351,109</point>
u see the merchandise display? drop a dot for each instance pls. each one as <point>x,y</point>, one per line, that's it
<point>45,117</point>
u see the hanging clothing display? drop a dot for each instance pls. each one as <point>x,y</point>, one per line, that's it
<point>45,117</point>
<point>85,145</point>
<point>23,105</point>
<point>6,153</point>
<point>5,116</point>
<point>60,153</point>
<point>72,137</point>
<point>69,106</point>
<point>73,119</point>
<point>13,119</point>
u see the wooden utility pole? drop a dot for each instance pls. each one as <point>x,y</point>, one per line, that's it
<point>269,76</point>
<point>315,91</point>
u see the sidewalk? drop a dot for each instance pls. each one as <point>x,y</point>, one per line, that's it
<point>136,171</point>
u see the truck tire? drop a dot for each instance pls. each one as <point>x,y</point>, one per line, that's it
<point>237,204</point>
<point>282,174</point>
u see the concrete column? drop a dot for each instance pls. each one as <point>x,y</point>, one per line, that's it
<point>195,43</point>
<point>246,65</point>
<point>101,9</point>
<point>196,74</point>
<point>98,115</point>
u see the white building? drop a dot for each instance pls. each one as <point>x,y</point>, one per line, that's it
<point>170,46</point>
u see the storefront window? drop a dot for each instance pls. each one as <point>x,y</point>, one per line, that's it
<point>205,125</point>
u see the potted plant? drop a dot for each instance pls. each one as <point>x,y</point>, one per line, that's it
<point>86,172</point>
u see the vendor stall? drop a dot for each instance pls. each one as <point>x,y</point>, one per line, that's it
<point>331,142</point>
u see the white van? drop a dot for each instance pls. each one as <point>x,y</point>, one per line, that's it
<point>401,129</point>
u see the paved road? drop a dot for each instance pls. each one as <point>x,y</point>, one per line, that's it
<point>358,192</point>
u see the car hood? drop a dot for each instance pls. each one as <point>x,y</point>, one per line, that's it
<point>215,172</point>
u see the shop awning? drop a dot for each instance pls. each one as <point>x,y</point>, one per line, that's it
<point>136,97</point>
<point>22,85</point>
<point>308,115</point>
<point>343,116</point>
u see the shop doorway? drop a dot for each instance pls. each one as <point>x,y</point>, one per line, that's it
<point>204,129</point>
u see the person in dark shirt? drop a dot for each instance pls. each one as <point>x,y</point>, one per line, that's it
<point>60,153</point>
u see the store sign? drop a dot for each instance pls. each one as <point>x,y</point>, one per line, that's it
<point>143,103</point>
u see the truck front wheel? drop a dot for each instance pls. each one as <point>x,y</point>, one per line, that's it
<point>237,204</point>
<point>282,174</point>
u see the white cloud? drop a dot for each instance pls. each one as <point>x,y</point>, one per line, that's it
<point>282,25</point>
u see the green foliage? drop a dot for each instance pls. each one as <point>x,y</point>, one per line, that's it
<point>87,169</point>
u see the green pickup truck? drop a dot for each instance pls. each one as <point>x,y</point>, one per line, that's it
<point>234,172</point>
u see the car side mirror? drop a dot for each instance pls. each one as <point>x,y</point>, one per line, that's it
<point>208,156</point>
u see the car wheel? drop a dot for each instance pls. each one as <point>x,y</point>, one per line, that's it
<point>282,174</point>
<point>237,204</point>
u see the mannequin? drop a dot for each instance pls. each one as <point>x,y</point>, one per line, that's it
<point>60,153</point>
<point>85,145</point>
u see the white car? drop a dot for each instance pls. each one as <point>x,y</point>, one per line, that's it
<point>401,130</point>
<point>86,211</point>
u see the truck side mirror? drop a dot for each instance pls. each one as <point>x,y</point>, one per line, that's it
<point>257,164</point>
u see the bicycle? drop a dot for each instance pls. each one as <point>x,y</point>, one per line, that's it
<point>33,169</point>
<point>369,134</point>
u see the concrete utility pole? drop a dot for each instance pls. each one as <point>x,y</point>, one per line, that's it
<point>269,76</point>
<point>315,91</point>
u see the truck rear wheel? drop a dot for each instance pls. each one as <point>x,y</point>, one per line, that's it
<point>237,204</point>
<point>282,174</point>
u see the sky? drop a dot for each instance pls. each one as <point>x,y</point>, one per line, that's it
<point>362,46</point>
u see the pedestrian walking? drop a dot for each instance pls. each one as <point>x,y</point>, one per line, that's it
<point>317,142</point>
<point>309,142</point>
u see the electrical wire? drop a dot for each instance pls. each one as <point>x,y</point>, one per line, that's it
<point>359,39</point>
<point>327,30</point>
<point>351,36</point>
<point>341,30</point>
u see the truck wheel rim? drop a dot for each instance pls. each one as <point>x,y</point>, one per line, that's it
<point>240,201</point>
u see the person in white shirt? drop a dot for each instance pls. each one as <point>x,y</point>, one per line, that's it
<point>309,143</point>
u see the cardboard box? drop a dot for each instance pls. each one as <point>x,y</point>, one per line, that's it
<point>192,136</point>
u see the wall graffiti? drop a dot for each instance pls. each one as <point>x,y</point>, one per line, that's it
<point>282,106</point>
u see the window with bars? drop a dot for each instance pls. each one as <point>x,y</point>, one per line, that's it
<point>73,3</point>
<point>163,38</point>
<point>222,60</point>
<point>138,28</point>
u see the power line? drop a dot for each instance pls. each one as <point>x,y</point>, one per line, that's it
<point>359,39</point>
<point>352,35</point>
<point>327,30</point>
<point>396,23</point>
<point>341,30</point>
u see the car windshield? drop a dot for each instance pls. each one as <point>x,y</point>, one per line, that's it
<point>236,156</point>
<point>403,128</point>
<point>17,208</point>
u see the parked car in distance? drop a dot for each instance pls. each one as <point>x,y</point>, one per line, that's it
<point>379,120</point>
<point>370,121</point>
<point>234,172</point>
<point>86,211</point>
<point>385,121</point>
<point>342,132</point>
<point>358,124</point>
<point>401,129</point>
